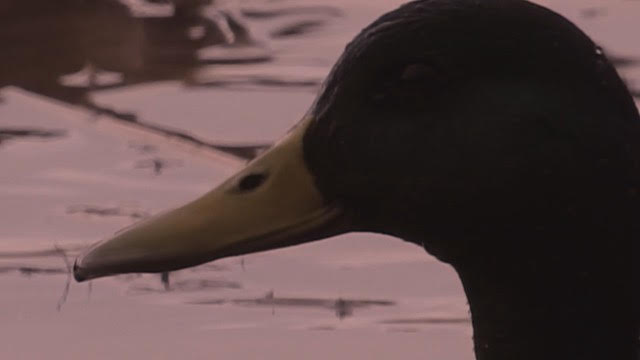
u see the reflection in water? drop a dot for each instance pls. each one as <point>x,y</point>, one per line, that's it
<point>43,40</point>
<point>66,49</point>
<point>342,307</point>
<point>164,279</point>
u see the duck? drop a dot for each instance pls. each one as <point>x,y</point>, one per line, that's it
<point>495,134</point>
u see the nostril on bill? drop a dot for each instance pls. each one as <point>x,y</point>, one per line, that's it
<point>251,182</point>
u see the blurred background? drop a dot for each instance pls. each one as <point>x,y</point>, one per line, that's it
<point>113,110</point>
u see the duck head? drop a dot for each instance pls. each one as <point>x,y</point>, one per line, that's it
<point>494,133</point>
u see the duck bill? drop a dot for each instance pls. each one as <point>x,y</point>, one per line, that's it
<point>271,203</point>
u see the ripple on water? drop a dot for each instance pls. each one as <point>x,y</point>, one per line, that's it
<point>342,308</point>
<point>186,285</point>
<point>17,133</point>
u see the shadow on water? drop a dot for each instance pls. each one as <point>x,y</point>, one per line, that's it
<point>341,307</point>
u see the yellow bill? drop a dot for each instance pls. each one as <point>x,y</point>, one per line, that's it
<point>271,203</point>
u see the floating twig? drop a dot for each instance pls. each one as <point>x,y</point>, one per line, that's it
<point>67,286</point>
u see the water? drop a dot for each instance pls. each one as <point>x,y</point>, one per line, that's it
<point>112,112</point>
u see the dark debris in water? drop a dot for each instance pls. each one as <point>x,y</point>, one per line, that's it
<point>13,133</point>
<point>107,211</point>
<point>165,280</point>
<point>158,165</point>
<point>342,307</point>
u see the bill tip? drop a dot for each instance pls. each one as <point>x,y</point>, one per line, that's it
<point>77,272</point>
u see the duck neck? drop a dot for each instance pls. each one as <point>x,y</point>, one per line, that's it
<point>547,301</point>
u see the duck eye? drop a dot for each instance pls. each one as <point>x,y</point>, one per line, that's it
<point>251,182</point>
<point>416,72</point>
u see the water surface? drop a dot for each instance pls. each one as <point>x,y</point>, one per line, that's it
<point>116,110</point>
